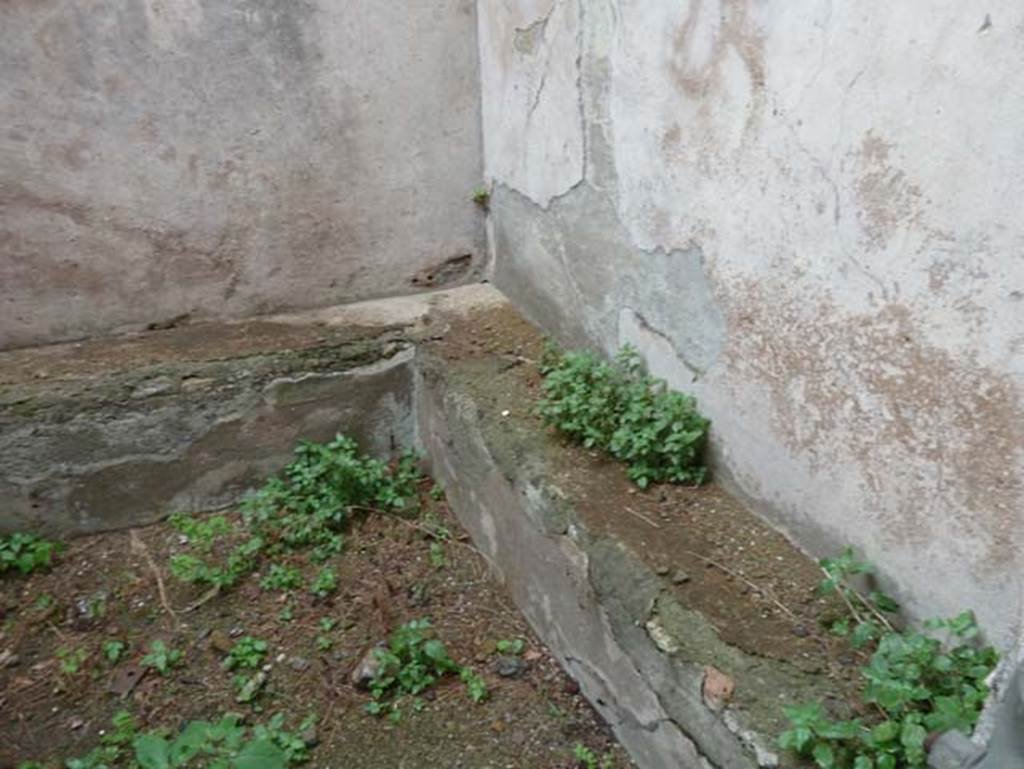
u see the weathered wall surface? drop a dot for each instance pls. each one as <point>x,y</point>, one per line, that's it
<point>807,214</point>
<point>163,158</point>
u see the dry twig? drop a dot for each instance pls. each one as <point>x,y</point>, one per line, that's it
<point>139,546</point>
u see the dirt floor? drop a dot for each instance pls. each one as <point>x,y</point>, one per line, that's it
<point>105,588</point>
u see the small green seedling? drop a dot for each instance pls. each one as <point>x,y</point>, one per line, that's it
<point>202,534</point>
<point>476,687</point>
<point>281,578</point>
<point>588,759</point>
<point>161,658</point>
<point>248,653</point>
<point>513,646</point>
<point>71,660</point>
<point>482,197</point>
<point>114,650</point>
<point>26,553</point>
<point>413,661</point>
<point>437,559</point>
<point>287,614</point>
<point>326,582</point>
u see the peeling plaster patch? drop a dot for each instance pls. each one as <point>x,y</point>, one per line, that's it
<point>887,200</point>
<point>533,130</point>
<point>937,441</point>
<point>527,40</point>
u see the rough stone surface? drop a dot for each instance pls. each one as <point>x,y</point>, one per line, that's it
<point>119,432</point>
<point>171,160</point>
<point>806,215</point>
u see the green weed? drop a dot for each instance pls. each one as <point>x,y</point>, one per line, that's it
<point>71,660</point>
<point>201,533</point>
<point>161,658</point>
<point>413,661</point>
<point>616,406</point>
<point>588,759</point>
<point>26,553</point>
<point>114,650</point>
<point>326,582</point>
<point>511,646</point>
<point>281,577</point>
<point>917,682</point>
<point>247,653</point>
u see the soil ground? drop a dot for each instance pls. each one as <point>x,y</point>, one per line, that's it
<point>105,588</point>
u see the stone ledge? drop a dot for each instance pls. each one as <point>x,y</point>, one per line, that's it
<point>642,656</point>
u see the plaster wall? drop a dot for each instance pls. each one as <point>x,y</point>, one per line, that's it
<point>808,215</point>
<point>172,160</point>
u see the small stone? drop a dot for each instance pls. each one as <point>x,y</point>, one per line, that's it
<point>662,571</point>
<point>76,723</point>
<point>717,688</point>
<point>508,666</point>
<point>220,642</point>
<point>235,632</point>
<point>680,577</point>
<point>309,737</point>
<point>248,691</point>
<point>366,670</point>
<point>498,726</point>
<point>801,631</point>
<point>298,664</point>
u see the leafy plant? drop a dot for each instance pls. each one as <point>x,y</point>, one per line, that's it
<point>114,650</point>
<point>916,682</point>
<point>482,197</point>
<point>281,578</point>
<point>112,745</point>
<point>161,658</point>
<point>588,759</point>
<point>293,745</point>
<point>437,559</point>
<point>26,553</point>
<point>511,646</point>
<point>226,744</point>
<point>866,613</point>
<point>223,744</point>
<point>308,506</point>
<point>71,660</point>
<point>242,560</point>
<point>247,653</point>
<point>413,661</point>
<point>201,533</point>
<point>476,687</point>
<point>326,582</point>
<point>616,406</point>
